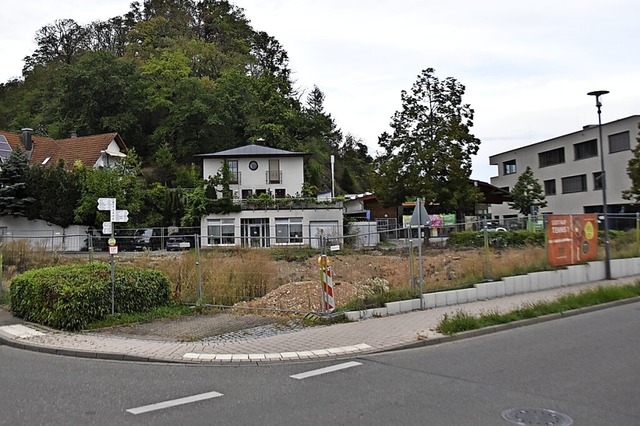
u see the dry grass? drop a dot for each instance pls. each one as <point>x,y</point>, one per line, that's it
<point>226,277</point>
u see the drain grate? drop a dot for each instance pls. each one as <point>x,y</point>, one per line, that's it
<point>536,416</point>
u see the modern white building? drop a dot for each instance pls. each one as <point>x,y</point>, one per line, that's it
<point>285,219</point>
<point>569,168</point>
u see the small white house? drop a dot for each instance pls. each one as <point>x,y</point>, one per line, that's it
<point>285,218</point>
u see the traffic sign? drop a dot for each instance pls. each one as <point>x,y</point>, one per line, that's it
<point>420,217</point>
<point>120,216</point>
<point>106,203</point>
<point>113,250</point>
<point>107,227</point>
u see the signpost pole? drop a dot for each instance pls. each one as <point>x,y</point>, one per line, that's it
<point>420,241</point>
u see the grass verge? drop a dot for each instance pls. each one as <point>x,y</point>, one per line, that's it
<point>462,321</point>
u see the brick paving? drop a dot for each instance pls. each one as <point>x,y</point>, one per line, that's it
<point>339,340</point>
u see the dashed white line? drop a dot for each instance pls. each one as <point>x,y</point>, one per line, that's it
<point>325,370</point>
<point>174,403</point>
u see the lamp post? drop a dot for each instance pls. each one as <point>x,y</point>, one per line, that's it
<point>603,177</point>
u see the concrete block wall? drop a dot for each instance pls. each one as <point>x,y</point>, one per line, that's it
<point>534,281</point>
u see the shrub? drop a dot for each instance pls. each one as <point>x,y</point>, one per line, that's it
<point>70,297</point>
<point>498,239</point>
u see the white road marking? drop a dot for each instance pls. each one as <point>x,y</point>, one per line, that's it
<point>325,370</point>
<point>174,403</point>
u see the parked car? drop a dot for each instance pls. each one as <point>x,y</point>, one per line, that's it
<point>147,239</point>
<point>176,243</point>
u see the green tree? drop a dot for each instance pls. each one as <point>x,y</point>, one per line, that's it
<point>99,93</point>
<point>55,192</point>
<point>527,193</point>
<point>14,196</point>
<point>429,152</point>
<point>166,167</point>
<point>122,182</point>
<point>633,171</point>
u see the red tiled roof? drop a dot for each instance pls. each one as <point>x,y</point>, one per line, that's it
<point>86,149</point>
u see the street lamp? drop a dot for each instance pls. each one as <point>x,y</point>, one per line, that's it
<point>607,244</point>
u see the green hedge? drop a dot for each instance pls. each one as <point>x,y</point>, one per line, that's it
<point>497,239</point>
<point>69,297</point>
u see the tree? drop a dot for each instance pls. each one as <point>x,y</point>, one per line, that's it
<point>55,192</point>
<point>527,193</point>
<point>633,171</point>
<point>14,197</point>
<point>60,41</point>
<point>429,152</point>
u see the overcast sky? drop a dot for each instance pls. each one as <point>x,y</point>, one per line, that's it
<point>527,66</point>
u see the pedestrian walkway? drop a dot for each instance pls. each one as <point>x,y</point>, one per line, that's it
<point>339,340</point>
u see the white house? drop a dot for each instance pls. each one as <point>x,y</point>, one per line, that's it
<point>569,169</point>
<point>288,220</point>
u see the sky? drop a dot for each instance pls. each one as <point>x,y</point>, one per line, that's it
<point>527,65</point>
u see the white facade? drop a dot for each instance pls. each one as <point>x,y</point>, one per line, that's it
<point>256,169</point>
<point>568,168</point>
<point>289,221</point>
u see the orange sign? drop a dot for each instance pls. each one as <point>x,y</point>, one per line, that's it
<point>572,238</point>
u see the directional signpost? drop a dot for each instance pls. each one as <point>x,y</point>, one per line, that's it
<point>109,204</point>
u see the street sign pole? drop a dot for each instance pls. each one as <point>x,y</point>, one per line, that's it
<point>109,204</point>
<point>420,217</point>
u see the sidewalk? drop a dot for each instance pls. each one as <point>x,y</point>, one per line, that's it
<point>340,340</point>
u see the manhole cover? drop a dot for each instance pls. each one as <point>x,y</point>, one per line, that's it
<point>536,416</point>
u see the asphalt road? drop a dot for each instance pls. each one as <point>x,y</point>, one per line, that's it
<point>584,366</point>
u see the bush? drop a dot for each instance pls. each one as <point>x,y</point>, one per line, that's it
<point>70,297</point>
<point>498,239</point>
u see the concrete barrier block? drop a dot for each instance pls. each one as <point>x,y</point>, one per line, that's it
<point>393,308</point>
<point>578,273</point>
<point>482,291</point>
<point>500,289</point>
<point>406,306</point>
<point>461,296</point>
<point>415,304</point>
<point>491,290</point>
<point>635,266</point>
<point>534,280</point>
<point>595,271</point>
<point>523,284</point>
<point>618,268</point>
<point>472,294</point>
<point>441,299</point>
<point>509,284</point>
<point>353,315</point>
<point>429,300</point>
<point>452,297</point>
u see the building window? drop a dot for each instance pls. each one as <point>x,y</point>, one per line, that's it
<point>550,187</point>
<point>550,158</point>
<point>574,184</point>
<point>509,167</point>
<point>597,181</point>
<point>234,175</point>
<point>253,165</point>
<point>619,142</point>
<point>289,230</point>
<point>281,193</point>
<point>221,231</point>
<point>246,193</point>
<point>274,174</point>
<point>586,149</point>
